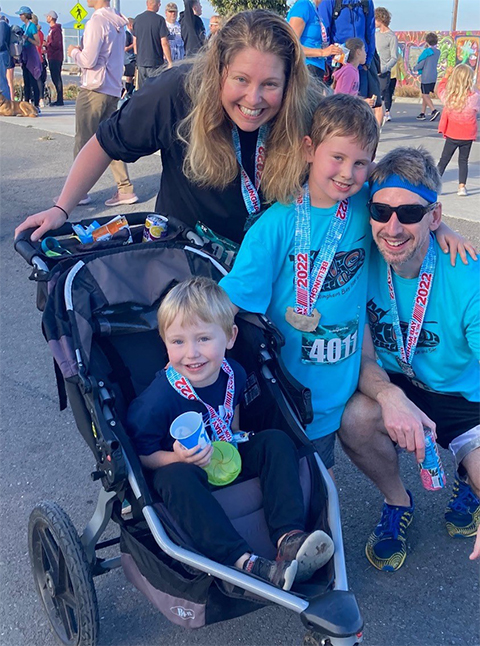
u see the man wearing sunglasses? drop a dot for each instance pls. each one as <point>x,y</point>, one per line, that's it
<point>424,318</point>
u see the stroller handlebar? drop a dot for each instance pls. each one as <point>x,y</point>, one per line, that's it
<point>28,250</point>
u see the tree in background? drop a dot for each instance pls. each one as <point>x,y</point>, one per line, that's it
<point>229,7</point>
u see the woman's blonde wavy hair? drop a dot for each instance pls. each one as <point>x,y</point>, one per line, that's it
<point>210,159</point>
<point>459,86</point>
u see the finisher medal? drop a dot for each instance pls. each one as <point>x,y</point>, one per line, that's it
<point>309,280</point>
<point>303,322</point>
<point>406,351</point>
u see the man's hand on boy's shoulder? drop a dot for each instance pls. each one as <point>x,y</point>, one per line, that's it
<point>199,457</point>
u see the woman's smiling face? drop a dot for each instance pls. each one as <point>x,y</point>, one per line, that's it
<point>252,89</point>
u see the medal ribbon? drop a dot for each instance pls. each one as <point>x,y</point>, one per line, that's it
<point>309,282</point>
<point>424,288</point>
<point>220,427</point>
<point>249,191</point>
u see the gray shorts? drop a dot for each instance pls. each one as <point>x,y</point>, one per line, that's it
<point>325,447</point>
<point>464,444</point>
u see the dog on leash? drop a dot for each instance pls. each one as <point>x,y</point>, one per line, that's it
<point>16,108</point>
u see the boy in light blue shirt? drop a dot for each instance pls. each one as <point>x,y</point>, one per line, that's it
<point>305,264</point>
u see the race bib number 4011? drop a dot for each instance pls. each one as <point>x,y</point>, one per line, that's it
<point>331,346</point>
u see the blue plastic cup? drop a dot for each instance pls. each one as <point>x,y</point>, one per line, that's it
<point>189,430</point>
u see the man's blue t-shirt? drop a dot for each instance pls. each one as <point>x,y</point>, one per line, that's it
<point>448,351</point>
<point>312,34</point>
<point>151,413</point>
<point>262,281</point>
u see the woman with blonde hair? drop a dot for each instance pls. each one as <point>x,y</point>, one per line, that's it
<point>459,119</point>
<point>226,125</point>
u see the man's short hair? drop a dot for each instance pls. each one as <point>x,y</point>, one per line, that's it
<point>343,115</point>
<point>195,299</point>
<point>414,165</point>
<point>383,15</point>
<point>431,38</point>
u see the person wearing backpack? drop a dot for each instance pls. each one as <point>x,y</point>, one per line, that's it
<point>344,19</point>
<point>4,57</point>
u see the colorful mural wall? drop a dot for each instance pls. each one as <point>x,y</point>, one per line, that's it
<point>455,47</point>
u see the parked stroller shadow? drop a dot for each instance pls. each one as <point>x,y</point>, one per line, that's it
<point>99,318</point>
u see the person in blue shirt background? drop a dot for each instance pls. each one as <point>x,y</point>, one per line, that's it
<point>344,19</point>
<point>305,22</point>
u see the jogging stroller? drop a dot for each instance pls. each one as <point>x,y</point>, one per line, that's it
<point>99,307</point>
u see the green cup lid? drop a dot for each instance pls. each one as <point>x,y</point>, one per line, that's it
<point>225,464</point>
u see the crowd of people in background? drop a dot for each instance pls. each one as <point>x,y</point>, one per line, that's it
<point>348,46</point>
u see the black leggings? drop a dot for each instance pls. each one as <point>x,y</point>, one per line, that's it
<point>388,93</point>
<point>464,146</point>
<point>184,488</point>
<point>30,84</point>
<point>56,74</point>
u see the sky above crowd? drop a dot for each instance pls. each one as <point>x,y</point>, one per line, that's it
<point>406,14</point>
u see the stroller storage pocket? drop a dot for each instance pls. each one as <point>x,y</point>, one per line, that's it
<point>180,595</point>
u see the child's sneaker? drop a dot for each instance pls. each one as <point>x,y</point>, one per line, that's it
<point>311,551</point>
<point>386,547</point>
<point>282,574</point>
<point>434,115</point>
<point>421,116</point>
<point>462,515</point>
<point>462,191</point>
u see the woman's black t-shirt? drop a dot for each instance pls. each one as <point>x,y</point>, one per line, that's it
<point>147,123</point>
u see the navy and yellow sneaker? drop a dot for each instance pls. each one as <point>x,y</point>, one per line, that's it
<point>462,515</point>
<point>386,547</point>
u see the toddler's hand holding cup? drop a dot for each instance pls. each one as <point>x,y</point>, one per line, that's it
<point>189,431</point>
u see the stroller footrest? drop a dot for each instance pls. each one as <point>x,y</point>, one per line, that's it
<point>335,613</point>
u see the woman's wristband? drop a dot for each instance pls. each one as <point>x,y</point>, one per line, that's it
<point>59,207</point>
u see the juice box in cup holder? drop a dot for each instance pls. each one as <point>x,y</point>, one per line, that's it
<point>107,231</point>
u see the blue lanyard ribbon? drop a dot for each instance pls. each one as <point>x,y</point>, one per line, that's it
<point>220,426</point>
<point>309,282</point>
<point>420,303</point>
<point>250,194</point>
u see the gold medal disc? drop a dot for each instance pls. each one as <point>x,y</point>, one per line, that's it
<point>302,322</point>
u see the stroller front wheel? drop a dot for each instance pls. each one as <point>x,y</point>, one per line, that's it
<point>62,574</point>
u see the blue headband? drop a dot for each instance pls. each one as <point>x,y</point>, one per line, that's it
<point>395,181</point>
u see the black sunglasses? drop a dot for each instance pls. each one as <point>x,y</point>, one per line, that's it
<point>406,213</point>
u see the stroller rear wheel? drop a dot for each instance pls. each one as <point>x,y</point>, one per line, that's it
<point>62,575</point>
<point>312,638</point>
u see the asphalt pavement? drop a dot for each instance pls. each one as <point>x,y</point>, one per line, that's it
<point>432,601</point>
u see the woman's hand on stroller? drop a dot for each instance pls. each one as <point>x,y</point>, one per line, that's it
<point>42,222</point>
<point>197,456</point>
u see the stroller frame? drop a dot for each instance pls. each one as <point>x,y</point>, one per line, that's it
<point>333,617</point>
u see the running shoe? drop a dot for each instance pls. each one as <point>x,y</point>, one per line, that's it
<point>122,198</point>
<point>279,573</point>
<point>462,515</point>
<point>462,191</point>
<point>434,115</point>
<point>311,551</point>
<point>421,116</point>
<point>386,547</point>
<point>387,116</point>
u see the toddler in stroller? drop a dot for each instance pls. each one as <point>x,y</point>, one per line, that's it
<point>196,323</point>
<point>99,318</point>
